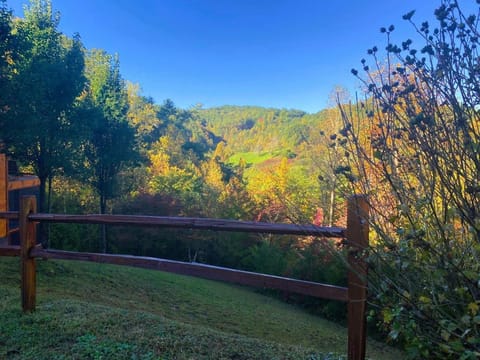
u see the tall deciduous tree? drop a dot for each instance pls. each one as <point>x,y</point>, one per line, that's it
<point>112,140</point>
<point>48,79</point>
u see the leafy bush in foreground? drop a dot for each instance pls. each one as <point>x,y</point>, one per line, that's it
<point>413,147</point>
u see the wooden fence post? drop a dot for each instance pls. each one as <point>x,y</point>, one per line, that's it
<point>357,241</point>
<point>28,205</point>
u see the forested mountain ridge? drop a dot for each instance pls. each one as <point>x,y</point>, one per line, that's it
<point>252,128</point>
<point>280,146</point>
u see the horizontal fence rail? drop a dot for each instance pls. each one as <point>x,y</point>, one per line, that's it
<point>9,215</point>
<point>356,236</point>
<point>205,271</point>
<point>194,223</point>
<point>10,251</point>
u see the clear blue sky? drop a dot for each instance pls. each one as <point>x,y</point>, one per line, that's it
<point>274,53</point>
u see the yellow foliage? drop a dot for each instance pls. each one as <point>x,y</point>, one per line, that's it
<point>424,299</point>
<point>160,159</point>
<point>160,163</point>
<point>220,151</point>
<point>473,308</point>
<point>213,174</point>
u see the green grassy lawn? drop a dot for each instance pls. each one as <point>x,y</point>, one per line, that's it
<point>96,311</point>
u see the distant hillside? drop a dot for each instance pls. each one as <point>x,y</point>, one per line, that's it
<point>257,129</point>
<point>288,158</point>
<point>93,311</point>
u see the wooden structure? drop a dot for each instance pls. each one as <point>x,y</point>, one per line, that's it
<point>356,236</point>
<point>12,187</point>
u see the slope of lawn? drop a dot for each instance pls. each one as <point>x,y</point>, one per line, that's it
<point>97,311</point>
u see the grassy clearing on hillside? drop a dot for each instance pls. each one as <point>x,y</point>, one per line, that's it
<point>95,311</point>
<point>253,158</point>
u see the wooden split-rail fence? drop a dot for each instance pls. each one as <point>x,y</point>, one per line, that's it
<point>355,236</point>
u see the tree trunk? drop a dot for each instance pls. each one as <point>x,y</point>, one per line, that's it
<point>103,236</point>
<point>42,233</point>
<point>331,208</point>
<point>49,208</point>
<point>42,194</point>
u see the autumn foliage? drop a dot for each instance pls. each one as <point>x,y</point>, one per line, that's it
<point>414,147</point>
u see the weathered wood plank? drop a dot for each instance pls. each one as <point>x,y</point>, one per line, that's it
<point>28,205</point>
<point>195,223</point>
<point>23,182</point>
<point>205,271</point>
<point>357,240</point>
<point>10,215</point>
<point>10,251</point>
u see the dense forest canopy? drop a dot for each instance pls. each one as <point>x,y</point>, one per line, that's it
<point>98,144</point>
